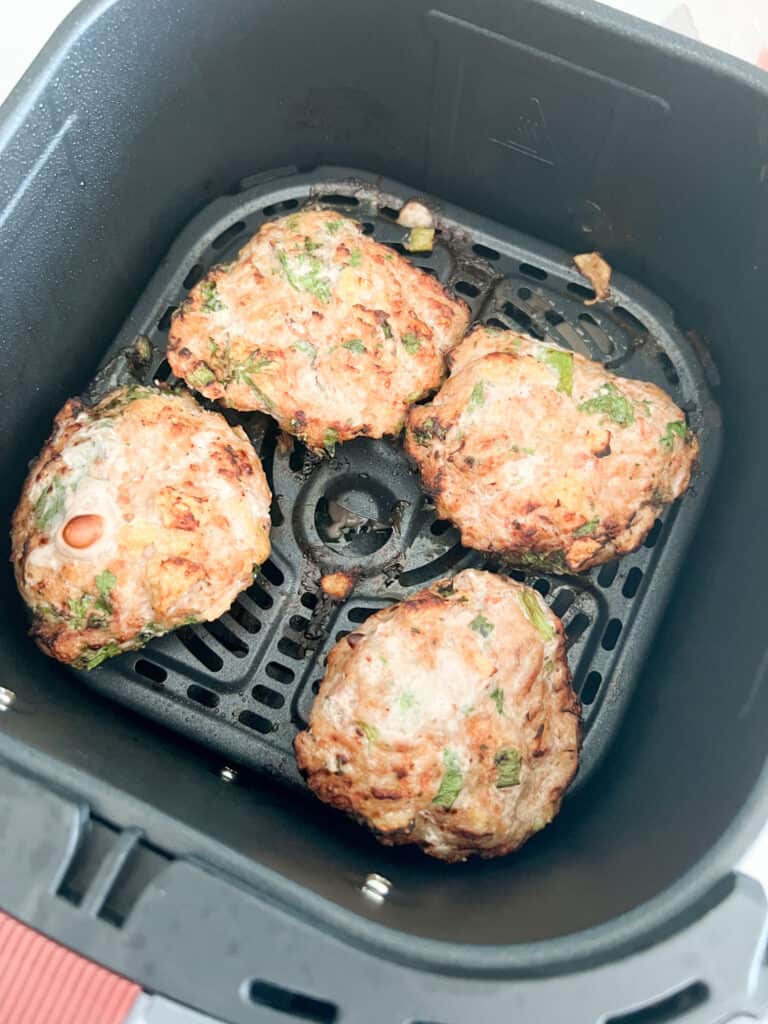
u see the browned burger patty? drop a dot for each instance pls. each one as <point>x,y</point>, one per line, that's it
<point>544,456</point>
<point>141,514</point>
<point>330,332</point>
<point>448,720</point>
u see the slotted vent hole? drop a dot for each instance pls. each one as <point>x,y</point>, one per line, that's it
<point>227,638</point>
<point>163,372</point>
<point>149,670</point>
<point>361,614</point>
<point>310,601</point>
<point>535,272</point>
<point>298,622</point>
<point>290,648</point>
<point>270,698</point>
<point>280,673</point>
<point>229,234</point>
<point>590,688</point>
<point>611,634</point>
<point>244,618</point>
<point>260,596</point>
<point>581,290</point>
<point>201,695</point>
<point>486,252</point>
<point>165,320</point>
<point>576,627</point>
<point>632,582</point>
<point>653,536</point>
<point>256,722</point>
<point>670,1008</point>
<point>467,288</point>
<point>607,574</point>
<point>542,586</point>
<point>564,598</point>
<point>337,199</point>
<point>296,1005</point>
<point>194,275</point>
<point>200,650</point>
<point>272,573</point>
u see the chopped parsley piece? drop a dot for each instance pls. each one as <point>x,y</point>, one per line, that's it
<point>407,701</point>
<point>201,376</point>
<point>675,429</point>
<point>370,732</point>
<point>520,450</point>
<point>467,709</point>
<point>354,345</point>
<point>213,347</point>
<point>90,659</point>
<point>105,581</point>
<point>611,403</point>
<point>303,274</point>
<point>310,246</point>
<point>588,528</point>
<point>355,258</point>
<point>386,329</point>
<point>535,614</point>
<point>508,763</point>
<point>330,440</point>
<point>420,240</point>
<point>50,505</point>
<point>562,363</point>
<point>333,226</point>
<point>78,610</point>
<point>477,397</point>
<point>292,222</point>
<point>243,374</point>
<point>497,696</point>
<point>423,435</point>
<point>451,783</point>
<point>446,589</point>
<point>211,301</point>
<point>544,561</point>
<point>306,347</point>
<point>411,343</point>
<point>482,625</point>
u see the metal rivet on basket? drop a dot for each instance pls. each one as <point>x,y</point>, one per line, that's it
<point>376,887</point>
<point>228,774</point>
<point>7,697</point>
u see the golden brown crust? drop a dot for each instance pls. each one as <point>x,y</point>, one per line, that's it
<point>183,511</point>
<point>448,720</point>
<point>330,332</point>
<point>545,457</point>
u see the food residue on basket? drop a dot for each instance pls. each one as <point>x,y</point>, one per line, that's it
<point>337,585</point>
<point>598,272</point>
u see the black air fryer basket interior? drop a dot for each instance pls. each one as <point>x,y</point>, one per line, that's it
<point>562,127</point>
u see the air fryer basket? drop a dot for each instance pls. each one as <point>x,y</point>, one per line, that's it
<point>245,683</point>
<point>121,834</point>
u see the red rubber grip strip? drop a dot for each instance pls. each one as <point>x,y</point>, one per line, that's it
<point>42,982</point>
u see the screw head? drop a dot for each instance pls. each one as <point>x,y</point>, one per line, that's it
<point>376,887</point>
<point>228,774</point>
<point>7,698</point>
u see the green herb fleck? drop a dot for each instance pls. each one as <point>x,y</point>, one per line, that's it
<point>354,345</point>
<point>411,343</point>
<point>105,581</point>
<point>333,225</point>
<point>211,301</point>
<point>497,696</point>
<point>50,505</point>
<point>407,701</point>
<point>306,347</point>
<point>330,440</point>
<point>543,561</point>
<point>78,610</point>
<point>611,403</point>
<point>292,222</point>
<point>90,659</point>
<point>467,709</point>
<point>310,246</point>
<point>420,240</point>
<point>151,630</point>
<point>562,363</point>
<point>451,783</point>
<point>201,376</point>
<point>370,732</point>
<point>423,435</point>
<point>508,763</point>
<point>588,528</point>
<point>675,429</point>
<point>243,374</point>
<point>386,329</point>
<point>520,450</point>
<point>482,625</point>
<point>536,615</point>
<point>305,275</point>
<point>355,258</point>
<point>446,589</point>
<point>477,397</point>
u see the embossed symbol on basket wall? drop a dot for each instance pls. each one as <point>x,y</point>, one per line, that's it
<point>528,133</point>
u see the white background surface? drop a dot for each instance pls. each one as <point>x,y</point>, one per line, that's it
<point>741,27</point>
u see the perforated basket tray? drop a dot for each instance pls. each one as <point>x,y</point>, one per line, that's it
<point>244,684</point>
